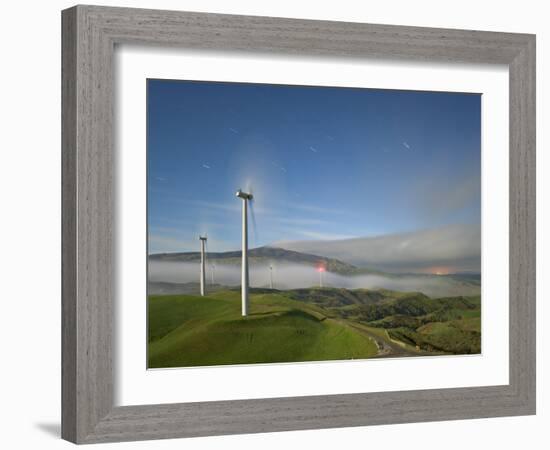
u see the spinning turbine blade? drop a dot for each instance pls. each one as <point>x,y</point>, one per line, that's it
<point>255,235</point>
<point>202,240</point>
<point>206,259</point>
<point>251,203</point>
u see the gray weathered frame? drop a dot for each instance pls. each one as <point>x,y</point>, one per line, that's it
<point>89,36</point>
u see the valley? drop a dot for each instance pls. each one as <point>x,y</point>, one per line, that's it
<point>312,324</point>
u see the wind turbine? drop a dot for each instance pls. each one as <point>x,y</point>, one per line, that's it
<point>212,270</point>
<point>321,270</point>
<point>270,276</point>
<point>203,239</point>
<point>246,197</point>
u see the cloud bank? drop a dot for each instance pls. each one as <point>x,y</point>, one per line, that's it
<point>293,276</point>
<point>454,248</point>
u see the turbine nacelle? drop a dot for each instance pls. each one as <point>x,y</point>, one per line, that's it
<point>244,195</point>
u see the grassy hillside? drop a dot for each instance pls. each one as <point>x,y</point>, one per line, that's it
<point>186,330</point>
<point>311,324</point>
<point>449,325</point>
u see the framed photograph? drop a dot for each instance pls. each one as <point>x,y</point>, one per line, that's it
<point>277,224</point>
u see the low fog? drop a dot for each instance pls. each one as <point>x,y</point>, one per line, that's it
<point>455,246</point>
<point>302,276</point>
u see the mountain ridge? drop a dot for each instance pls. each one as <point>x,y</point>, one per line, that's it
<point>265,255</point>
<point>268,254</point>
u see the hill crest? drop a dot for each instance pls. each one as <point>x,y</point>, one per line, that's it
<point>264,256</point>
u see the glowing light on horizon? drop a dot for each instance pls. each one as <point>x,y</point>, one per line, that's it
<point>440,270</point>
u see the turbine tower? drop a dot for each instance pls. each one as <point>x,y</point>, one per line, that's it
<point>270,277</point>
<point>246,197</point>
<point>202,239</point>
<point>321,270</point>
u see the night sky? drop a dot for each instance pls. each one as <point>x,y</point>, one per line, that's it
<point>323,163</point>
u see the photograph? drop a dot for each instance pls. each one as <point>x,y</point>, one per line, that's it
<point>273,225</point>
<point>290,223</point>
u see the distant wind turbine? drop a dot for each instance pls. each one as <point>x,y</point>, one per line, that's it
<point>270,277</point>
<point>203,239</point>
<point>321,270</point>
<point>246,197</point>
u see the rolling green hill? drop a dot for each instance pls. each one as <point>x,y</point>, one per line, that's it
<point>310,324</point>
<point>186,330</point>
<point>449,325</point>
<point>442,325</point>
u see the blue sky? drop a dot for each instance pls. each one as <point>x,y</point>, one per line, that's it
<point>323,163</point>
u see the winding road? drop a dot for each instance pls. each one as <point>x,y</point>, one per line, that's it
<point>386,347</point>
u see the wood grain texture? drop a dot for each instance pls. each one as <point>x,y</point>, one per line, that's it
<point>68,226</point>
<point>89,36</point>
<point>523,224</point>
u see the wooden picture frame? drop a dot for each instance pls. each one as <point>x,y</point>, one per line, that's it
<point>90,34</point>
